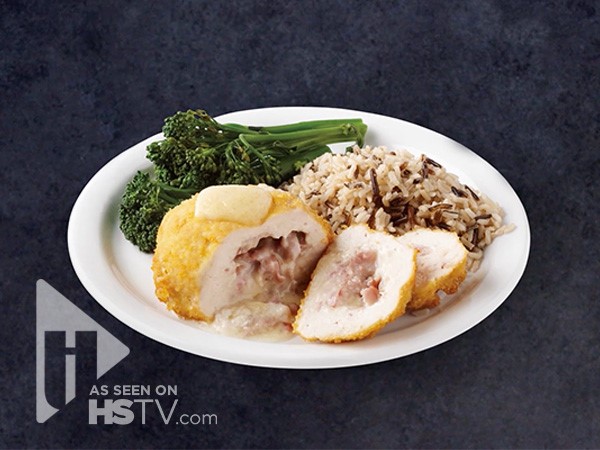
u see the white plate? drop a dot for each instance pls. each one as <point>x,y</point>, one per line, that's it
<point>118,276</point>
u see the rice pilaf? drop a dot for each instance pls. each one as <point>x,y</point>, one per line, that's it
<point>395,191</point>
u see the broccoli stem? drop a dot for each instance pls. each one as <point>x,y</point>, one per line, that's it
<point>173,195</point>
<point>310,125</point>
<point>290,164</point>
<point>308,137</point>
<point>240,129</point>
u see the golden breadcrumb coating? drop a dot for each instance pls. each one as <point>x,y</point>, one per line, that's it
<point>426,296</point>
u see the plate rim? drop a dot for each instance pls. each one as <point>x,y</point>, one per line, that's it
<point>343,359</point>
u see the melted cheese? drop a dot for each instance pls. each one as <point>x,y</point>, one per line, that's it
<point>246,205</point>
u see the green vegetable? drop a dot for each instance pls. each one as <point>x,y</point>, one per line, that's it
<point>144,203</point>
<point>197,152</point>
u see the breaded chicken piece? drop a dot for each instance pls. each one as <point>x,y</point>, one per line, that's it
<point>363,281</point>
<point>229,245</point>
<point>441,265</point>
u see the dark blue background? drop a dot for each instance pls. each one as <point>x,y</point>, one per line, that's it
<point>517,82</point>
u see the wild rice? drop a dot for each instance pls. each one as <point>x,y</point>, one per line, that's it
<point>396,192</point>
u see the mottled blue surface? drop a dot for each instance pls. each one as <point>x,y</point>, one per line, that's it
<point>517,82</point>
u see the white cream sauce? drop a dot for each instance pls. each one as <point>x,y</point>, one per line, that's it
<point>271,322</point>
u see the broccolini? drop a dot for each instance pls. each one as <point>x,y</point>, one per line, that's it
<point>197,152</point>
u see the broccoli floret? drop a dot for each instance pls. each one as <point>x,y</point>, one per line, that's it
<point>143,205</point>
<point>184,167</point>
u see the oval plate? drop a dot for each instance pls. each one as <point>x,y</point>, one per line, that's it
<point>118,276</point>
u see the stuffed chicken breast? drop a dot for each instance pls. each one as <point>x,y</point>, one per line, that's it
<point>363,281</point>
<point>230,249</point>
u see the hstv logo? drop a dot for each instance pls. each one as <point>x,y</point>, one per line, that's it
<point>68,342</point>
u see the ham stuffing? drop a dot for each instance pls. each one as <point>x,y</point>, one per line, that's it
<point>271,268</point>
<point>359,285</point>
